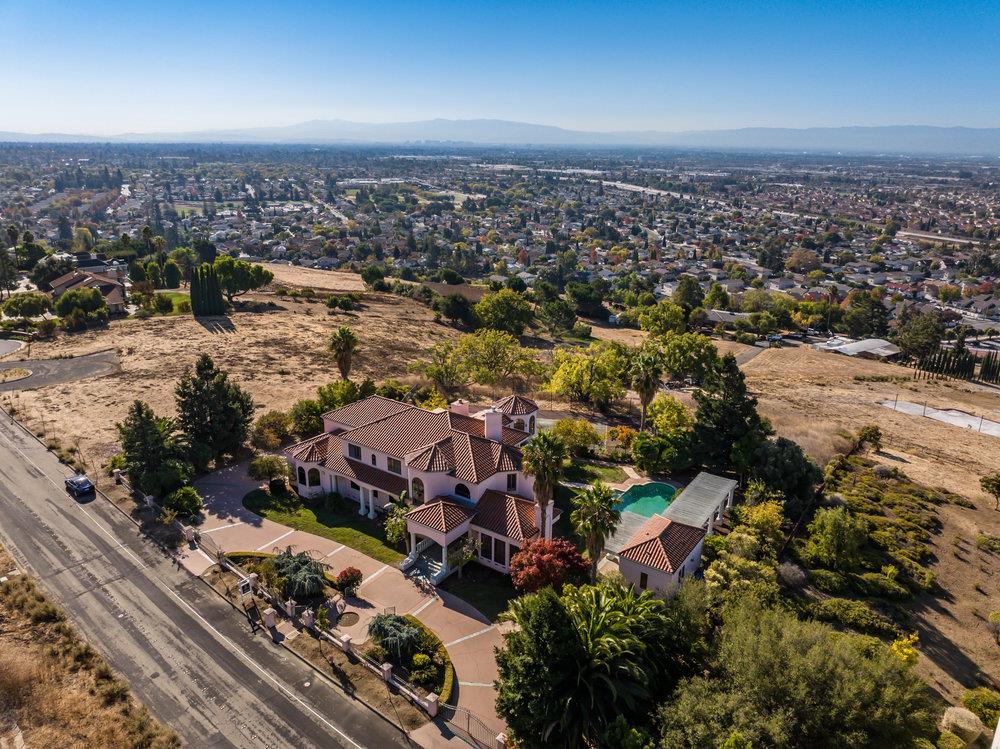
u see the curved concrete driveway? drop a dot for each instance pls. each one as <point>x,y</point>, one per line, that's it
<point>57,371</point>
<point>468,635</point>
<point>9,346</point>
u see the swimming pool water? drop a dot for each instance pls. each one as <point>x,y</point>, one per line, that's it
<point>647,499</point>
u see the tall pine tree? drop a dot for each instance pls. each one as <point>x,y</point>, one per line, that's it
<point>214,412</point>
<point>727,428</point>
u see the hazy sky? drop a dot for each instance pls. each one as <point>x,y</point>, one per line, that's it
<point>112,67</point>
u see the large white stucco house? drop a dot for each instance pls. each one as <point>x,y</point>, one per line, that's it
<point>461,471</point>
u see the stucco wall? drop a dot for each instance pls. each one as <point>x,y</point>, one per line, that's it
<point>661,582</point>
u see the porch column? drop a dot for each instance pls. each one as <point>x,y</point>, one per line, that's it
<point>361,500</point>
<point>444,555</point>
<point>413,544</point>
<point>371,505</point>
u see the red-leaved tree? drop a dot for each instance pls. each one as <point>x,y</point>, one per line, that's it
<point>540,563</point>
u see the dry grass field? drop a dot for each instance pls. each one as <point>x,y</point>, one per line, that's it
<point>280,356</point>
<point>54,687</point>
<point>294,276</point>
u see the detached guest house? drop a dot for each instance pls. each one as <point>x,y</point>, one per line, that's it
<point>461,471</point>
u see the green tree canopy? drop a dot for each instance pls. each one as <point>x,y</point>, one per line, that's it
<point>727,428</point>
<point>783,682</point>
<point>505,310</point>
<point>662,318</point>
<point>214,412</point>
<point>155,454</point>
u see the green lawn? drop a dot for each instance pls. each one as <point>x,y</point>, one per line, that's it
<point>588,473</point>
<point>487,590</point>
<point>340,523</point>
<point>176,297</point>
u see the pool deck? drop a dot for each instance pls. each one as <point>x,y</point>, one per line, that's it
<point>634,479</point>
<point>631,521</point>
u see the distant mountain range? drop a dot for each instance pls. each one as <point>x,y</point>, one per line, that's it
<point>895,139</point>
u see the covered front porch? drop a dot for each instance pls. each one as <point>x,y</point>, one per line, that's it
<point>436,530</point>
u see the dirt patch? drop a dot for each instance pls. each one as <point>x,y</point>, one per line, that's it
<point>813,396</point>
<point>55,689</point>
<point>280,356</point>
<point>311,278</point>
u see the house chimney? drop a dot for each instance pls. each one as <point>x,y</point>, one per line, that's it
<point>494,423</point>
<point>460,407</point>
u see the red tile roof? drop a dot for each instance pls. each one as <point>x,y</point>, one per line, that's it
<point>477,427</point>
<point>506,515</point>
<point>440,515</point>
<point>328,451</point>
<point>312,450</point>
<point>427,440</point>
<point>516,405</point>
<point>366,411</point>
<point>662,544</point>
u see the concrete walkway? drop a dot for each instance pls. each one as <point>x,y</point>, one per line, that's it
<point>468,636</point>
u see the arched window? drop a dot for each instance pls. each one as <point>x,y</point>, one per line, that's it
<point>531,425</point>
<point>519,425</point>
<point>302,475</point>
<point>417,486</point>
<point>313,477</point>
<point>463,491</point>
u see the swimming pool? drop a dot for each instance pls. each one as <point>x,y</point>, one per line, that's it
<point>647,499</point>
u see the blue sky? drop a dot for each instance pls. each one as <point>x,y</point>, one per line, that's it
<point>110,67</point>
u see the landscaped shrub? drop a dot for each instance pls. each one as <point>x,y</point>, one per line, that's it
<point>985,703</point>
<point>854,615</point>
<point>395,634</point>
<point>948,740</point>
<point>993,624</point>
<point>579,435</point>
<point>270,468</point>
<point>831,583</point>
<point>271,430</point>
<point>303,577</point>
<point>377,653</point>
<point>988,543</point>
<point>879,585</point>
<point>348,580</point>
<point>542,562</point>
<point>185,501</point>
<point>429,644</point>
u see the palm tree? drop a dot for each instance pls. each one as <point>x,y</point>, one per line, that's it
<point>647,369</point>
<point>343,344</point>
<point>543,458</point>
<point>595,517</point>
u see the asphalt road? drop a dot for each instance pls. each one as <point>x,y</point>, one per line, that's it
<point>56,371</point>
<point>186,653</point>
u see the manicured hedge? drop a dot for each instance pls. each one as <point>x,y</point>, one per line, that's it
<point>448,681</point>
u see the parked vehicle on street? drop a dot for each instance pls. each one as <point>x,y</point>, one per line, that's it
<point>79,486</point>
